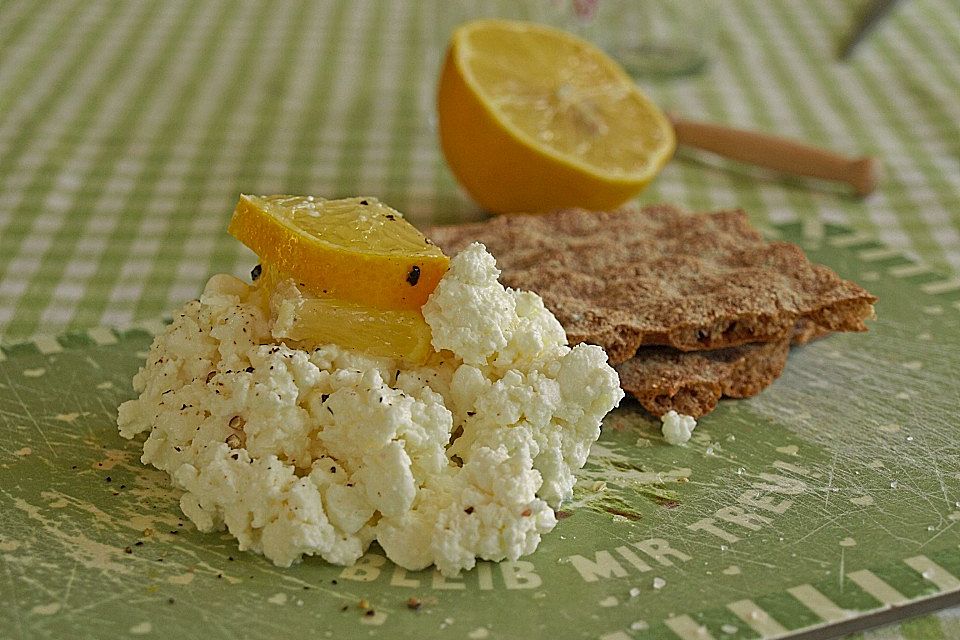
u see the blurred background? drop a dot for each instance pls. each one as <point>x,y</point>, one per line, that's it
<point>128,128</point>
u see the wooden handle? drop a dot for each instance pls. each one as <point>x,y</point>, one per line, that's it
<point>781,154</point>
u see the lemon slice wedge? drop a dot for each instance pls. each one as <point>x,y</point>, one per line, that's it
<point>306,322</point>
<point>355,249</point>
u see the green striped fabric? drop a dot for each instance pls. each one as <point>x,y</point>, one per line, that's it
<point>128,128</point>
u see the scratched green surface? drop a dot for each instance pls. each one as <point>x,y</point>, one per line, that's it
<point>859,435</point>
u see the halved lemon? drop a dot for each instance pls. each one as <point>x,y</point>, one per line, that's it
<point>354,249</point>
<point>532,118</point>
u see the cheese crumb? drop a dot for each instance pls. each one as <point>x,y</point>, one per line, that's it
<point>301,453</point>
<point>677,427</point>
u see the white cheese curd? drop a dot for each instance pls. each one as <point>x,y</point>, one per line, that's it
<point>677,427</point>
<point>320,453</point>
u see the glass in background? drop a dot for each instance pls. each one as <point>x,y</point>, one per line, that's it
<point>650,37</point>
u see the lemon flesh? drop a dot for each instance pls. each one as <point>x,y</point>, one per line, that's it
<point>307,322</point>
<point>533,118</point>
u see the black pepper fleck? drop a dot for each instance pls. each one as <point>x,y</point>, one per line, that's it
<point>370,613</point>
<point>255,272</point>
<point>249,369</point>
<point>128,549</point>
<point>468,510</point>
<point>414,276</point>
<point>108,479</point>
<point>364,202</point>
<point>171,600</point>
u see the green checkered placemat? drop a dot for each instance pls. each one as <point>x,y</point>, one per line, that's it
<point>128,128</point>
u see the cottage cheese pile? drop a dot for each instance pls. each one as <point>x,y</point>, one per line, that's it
<point>320,453</point>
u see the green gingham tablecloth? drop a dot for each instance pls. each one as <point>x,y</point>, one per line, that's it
<point>128,128</point>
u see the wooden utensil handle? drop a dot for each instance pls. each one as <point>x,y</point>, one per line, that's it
<point>778,153</point>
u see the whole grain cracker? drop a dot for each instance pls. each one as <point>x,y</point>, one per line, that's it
<point>660,276</point>
<point>693,382</point>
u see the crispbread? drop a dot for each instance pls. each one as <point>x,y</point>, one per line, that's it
<point>692,382</point>
<point>660,276</point>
